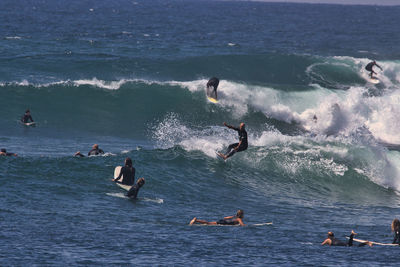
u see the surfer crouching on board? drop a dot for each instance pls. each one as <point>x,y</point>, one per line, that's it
<point>133,192</point>
<point>26,117</point>
<point>3,152</point>
<point>127,172</point>
<point>236,147</point>
<point>94,152</point>
<point>396,229</point>
<point>230,220</point>
<point>369,68</point>
<point>212,84</point>
<point>332,241</point>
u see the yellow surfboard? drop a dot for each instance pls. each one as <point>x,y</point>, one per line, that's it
<point>212,100</point>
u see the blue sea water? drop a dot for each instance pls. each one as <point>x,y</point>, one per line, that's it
<point>131,75</point>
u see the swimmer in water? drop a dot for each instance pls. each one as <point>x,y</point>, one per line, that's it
<point>396,229</point>
<point>230,220</point>
<point>236,147</point>
<point>27,117</point>
<point>133,192</point>
<point>332,241</point>
<point>127,173</point>
<point>3,152</point>
<point>94,152</point>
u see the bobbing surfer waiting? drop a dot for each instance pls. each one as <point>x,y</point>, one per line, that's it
<point>26,117</point>
<point>127,172</point>
<point>236,147</point>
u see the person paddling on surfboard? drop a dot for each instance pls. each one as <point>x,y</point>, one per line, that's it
<point>369,68</point>
<point>26,117</point>
<point>236,147</point>
<point>3,152</point>
<point>127,173</point>
<point>133,192</point>
<point>94,152</point>
<point>396,229</point>
<point>229,220</point>
<point>332,241</point>
<point>212,86</point>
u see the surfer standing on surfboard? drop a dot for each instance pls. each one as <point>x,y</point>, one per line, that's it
<point>127,173</point>
<point>236,147</point>
<point>212,84</point>
<point>369,68</point>
<point>26,117</point>
<point>229,220</point>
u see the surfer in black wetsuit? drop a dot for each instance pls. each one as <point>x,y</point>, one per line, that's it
<point>396,229</point>
<point>26,117</point>
<point>332,241</point>
<point>94,152</point>
<point>236,147</point>
<point>229,220</point>
<point>369,68</point>
<point>3,152</point>
<point>212,84</point>
<point>133,192</point>
<point>127,173</point>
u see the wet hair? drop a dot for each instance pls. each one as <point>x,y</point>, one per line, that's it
<point>240,213</point>
<point>4,150</point>
<point>96,146</point>
<point>26,111</point>
<point>331,234</point>
<point>128,162</point>
<point>141,182</point>
<point>395,225</point>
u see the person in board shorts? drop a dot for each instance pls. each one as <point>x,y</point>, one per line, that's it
<point>229,220</point>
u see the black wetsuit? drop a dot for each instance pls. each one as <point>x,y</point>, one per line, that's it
<point>212,83</point>
<point>128,174</point>
<point>26,118</point>
<point>396,239</point>
<point>243,146</point>
<point>336,242</point>
<point>231,221</point>
<point>369,66</point>
<point>95,152</point>
<point>132,193</point>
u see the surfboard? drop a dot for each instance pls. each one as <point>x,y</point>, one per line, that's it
<point>373,242</point>
<point>251,225</point>
<point>373,80</point>
<point>212,100</point>
<point>33,124</point>
<point>117,170</point>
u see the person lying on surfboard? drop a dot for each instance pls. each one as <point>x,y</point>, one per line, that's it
<point>229,220</point>
<point>133,192</point>
<point>396,229</point>
<point>127,173</point>
<point>94,152</point>
<point>332,241</point>
<point>26,117</point>
<point>212,83</point>
<point>236,147</point>
<point>3,152</point>
<point>369,68</point>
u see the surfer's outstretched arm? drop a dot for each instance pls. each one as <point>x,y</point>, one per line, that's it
<point>231,127</point>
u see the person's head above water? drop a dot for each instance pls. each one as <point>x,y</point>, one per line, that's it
<point>330,234</point>
<point>4,150</point>
<point>95,146</point>
<point>128,162</point>
<point>395,225</point>
<point>240,214</point>
<point>141,182</point>
<point>242,126</point>
<point>27,111</point>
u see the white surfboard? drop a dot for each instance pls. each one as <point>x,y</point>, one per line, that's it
<point>117,170</point>
<point>251,225</point>
<point>368,78</point>
<point>33,124</point>
<point>373,242</point>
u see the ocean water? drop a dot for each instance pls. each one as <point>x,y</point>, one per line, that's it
<point>131,75</point>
